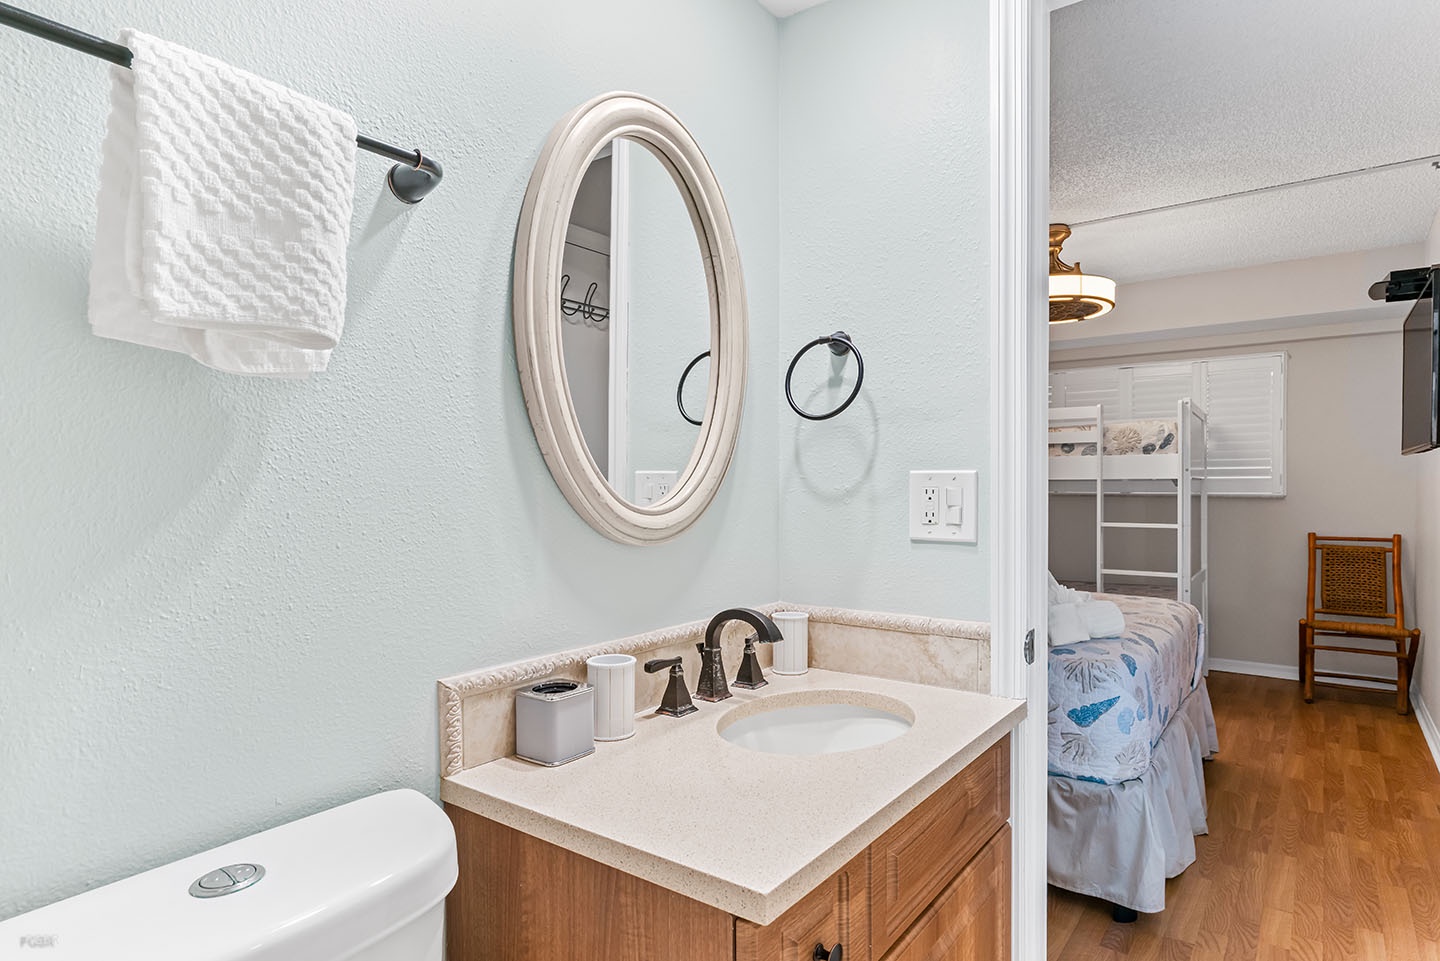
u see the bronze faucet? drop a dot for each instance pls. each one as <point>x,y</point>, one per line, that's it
<point>712,685</point>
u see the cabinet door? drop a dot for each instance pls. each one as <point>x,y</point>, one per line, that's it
<point>970,921</point>
<point>838,911</point>
<point>911,863</point>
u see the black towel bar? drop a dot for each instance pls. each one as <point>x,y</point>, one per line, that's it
<point>414,176</point>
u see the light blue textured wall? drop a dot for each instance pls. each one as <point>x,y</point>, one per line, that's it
<point>225,602</point>
<point>884,188</point>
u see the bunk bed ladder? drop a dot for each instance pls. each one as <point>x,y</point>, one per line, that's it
<point>1100,498</point>
<point>1187,485</point>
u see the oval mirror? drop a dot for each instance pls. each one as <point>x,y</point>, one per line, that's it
<point>635,308</point>
<point>627,282</point>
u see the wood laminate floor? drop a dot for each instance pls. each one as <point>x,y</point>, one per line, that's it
<point>1324,841</point>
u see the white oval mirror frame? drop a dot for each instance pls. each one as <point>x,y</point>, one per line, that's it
<point>539,250</point>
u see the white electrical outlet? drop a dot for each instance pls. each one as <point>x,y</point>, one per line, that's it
<point>929,506</point>
<point>944,506</point>
<point>653,486</point>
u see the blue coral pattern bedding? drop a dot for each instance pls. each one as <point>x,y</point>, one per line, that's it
<point>1110,699</point>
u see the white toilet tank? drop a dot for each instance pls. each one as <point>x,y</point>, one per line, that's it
<point>365,881</point>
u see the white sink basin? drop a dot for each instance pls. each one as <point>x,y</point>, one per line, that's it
<point>785,727</point>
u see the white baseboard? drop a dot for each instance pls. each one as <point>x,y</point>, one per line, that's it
<point>1427,724</point>
<point>1288,672</point>
<point>1227,666</point>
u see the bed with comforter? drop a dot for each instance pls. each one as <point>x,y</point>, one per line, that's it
<point>1110,699</point>
<point>1129,726</point>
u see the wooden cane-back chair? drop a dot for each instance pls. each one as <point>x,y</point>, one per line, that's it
<point>1354,591</point>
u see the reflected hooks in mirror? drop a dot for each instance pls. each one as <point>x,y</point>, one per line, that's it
<point>587,310</point>
<point>840,344</point>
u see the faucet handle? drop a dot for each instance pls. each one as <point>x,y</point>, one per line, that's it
<point>751,676</point>
<point>676,702</point>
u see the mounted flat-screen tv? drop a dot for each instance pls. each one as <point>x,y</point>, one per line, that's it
<point>1420,391</point>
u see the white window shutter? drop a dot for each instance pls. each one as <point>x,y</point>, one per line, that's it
<point>1087,386</point>
<point>1243,397</point>
<point>1245,401</point>
<point>1156,389</point>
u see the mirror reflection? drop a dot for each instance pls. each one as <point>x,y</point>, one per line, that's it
<point>635,313</point>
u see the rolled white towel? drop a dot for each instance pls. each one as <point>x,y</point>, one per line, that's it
<point>1101,618</point>
<point>1060,594</point>
<point>1066,627</point>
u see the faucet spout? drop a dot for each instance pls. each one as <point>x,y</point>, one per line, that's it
<point>712,685</point>
<point>766,630</point>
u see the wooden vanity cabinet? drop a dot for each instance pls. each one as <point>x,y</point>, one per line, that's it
<point>838,911</point>
<point>970,919</point>
<point>934,887</point>
<point>914,861</point>
<point>519,898</point>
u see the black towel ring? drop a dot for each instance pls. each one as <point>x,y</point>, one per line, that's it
<point>680,390</point>
<point>840,344</point>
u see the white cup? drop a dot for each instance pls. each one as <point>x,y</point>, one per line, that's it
<point>792,655</point>
<point>613,677</point>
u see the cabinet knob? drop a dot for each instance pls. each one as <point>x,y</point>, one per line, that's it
<point>836,953</point>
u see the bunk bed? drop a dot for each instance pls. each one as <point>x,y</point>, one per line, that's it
<point>1130,720</point>
<point>1152,456</point>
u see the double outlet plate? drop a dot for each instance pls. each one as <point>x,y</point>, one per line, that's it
<point>945,506</point>
<point>653,486</point>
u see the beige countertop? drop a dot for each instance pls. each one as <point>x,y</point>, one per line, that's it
<point>747,832</point>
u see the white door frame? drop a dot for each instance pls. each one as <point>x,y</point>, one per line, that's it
<point>619,452</point>
<point>1019,346</point>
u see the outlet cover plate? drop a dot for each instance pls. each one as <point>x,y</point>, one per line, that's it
<point>944,506</point>
<point>653,486</point>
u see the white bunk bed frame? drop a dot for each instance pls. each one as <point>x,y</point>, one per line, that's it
<point>1109,472</point>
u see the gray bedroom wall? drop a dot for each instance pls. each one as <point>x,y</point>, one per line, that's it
<point>1345,475</point>
<point>1426,692</point>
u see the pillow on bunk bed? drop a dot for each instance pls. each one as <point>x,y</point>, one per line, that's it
<point>1122,437</point>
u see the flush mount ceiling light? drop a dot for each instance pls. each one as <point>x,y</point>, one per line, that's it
<point>1075,295</point>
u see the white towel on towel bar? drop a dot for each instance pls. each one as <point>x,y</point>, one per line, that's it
<point>224,215</point>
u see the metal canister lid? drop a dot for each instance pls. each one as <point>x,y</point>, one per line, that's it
<point>555,689</point>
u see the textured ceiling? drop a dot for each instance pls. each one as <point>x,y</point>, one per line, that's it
<point>784,8</point>
<point>1160,102</point>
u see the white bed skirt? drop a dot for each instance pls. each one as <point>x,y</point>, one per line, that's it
<point>1121,841</point>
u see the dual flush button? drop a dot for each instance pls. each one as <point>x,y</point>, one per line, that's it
<point>226,880</point>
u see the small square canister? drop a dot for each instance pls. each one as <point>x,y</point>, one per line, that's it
<point>555,721</point>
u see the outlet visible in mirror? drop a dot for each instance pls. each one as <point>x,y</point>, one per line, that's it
<point>635,307</point>
<point>626,272</point>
